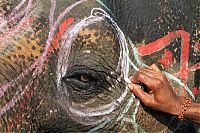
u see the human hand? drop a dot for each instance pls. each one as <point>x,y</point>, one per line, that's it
<point>161,96</point>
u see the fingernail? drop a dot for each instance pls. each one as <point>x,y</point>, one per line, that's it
<point>151,92</point>
<point>130,86</point>
<point>133,86</point>
<point>136,86</point>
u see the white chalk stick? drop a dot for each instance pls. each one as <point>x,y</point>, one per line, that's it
<point>127,80</point>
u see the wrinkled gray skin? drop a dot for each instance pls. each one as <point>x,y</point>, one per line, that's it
<point>91,80</point>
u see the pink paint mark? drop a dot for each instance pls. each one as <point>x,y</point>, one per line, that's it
<point>7,35</point>
<point>36,68</point>
<point>161,43</point>
<point>167,59</point>
<point>195,91</point>
<point>17,13</point>
<point>17,97</point>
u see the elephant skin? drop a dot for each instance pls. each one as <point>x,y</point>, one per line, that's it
<point>53,80</point>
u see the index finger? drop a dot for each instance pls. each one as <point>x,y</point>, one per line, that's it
<point>137,91</point>
<point>148,80</point>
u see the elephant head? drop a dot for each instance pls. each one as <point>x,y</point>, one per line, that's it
<point>63,67</point>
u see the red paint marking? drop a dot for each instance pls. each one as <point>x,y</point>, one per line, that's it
<point>8,130</point>
<point>156,46</point>
<point>161,43</point>
<point>59,34</point>
<point>180,91</point>
<point>167,59</point>
<point>198,46</point>
<point>195,91</point>
<point>192,68</point>
<point>176,90</point>
<point>185,56</point>
<point>195,67</point>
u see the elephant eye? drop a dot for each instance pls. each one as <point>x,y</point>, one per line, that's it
<point>85,82</point>
<point>82,78</point>
<point>85,78</point>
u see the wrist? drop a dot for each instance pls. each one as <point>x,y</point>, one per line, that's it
<point>185,105</point>
<point>177,106</point>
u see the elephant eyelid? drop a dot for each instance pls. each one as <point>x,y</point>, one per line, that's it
<point>83,75</point>
<point>85,78</point>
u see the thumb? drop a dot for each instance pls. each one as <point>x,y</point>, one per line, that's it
<point>138,91</point>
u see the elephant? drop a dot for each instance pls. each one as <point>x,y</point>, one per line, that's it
<point>63,63</point>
